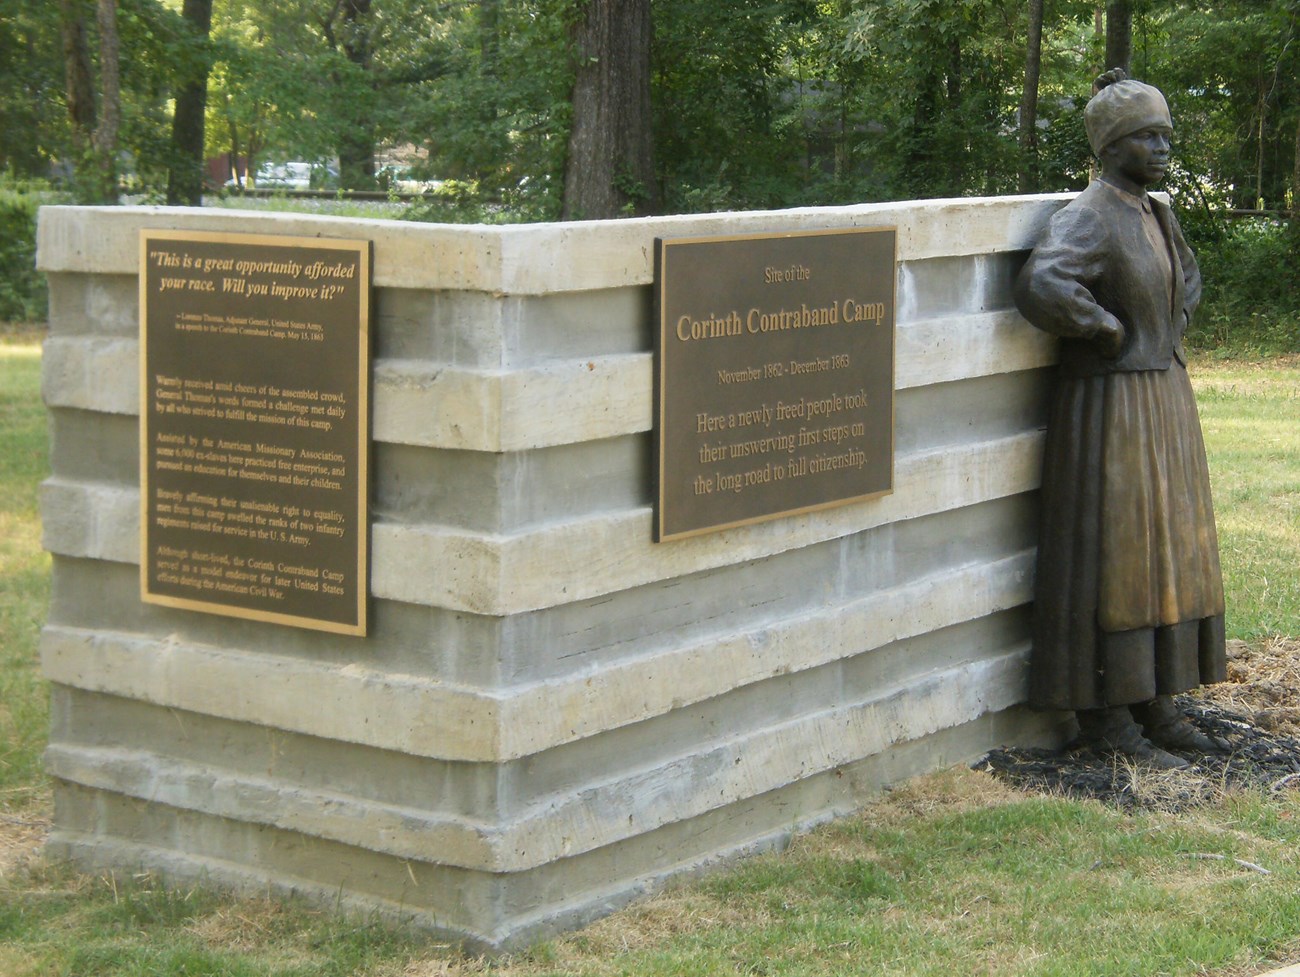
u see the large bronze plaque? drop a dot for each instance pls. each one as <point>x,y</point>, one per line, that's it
<point>774,389</point>
<point>254,426</point>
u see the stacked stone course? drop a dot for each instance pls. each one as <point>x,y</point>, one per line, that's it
<point>551,714</point>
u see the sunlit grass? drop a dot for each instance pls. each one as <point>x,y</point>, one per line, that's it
<point>952,874</point>
<point>24,570</point>
<point>1250,413</point>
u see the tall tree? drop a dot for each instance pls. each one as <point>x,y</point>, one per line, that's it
<point>185,172</point>
<point>1119,34</point>
<point>610,167</point>
<point>1233,73</point>
<point>746,103</point>
<point>939,93</point>
<point>1029,99</point>
<point>33,111</point>
<point>95,123</point>
<point>80,70</point>
<point>348,29</point>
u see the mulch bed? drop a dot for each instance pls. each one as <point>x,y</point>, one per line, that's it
<point>1257,710</point>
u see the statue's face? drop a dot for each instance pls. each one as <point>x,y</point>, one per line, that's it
<point>1142,156</point>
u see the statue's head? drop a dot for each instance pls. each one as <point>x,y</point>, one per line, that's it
<point>1122,107</point>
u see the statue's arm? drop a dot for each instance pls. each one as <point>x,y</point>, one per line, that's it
<point>1054,290</point>
<point>1191,273</point>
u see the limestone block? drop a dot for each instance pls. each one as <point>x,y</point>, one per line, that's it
<point>91,373</point>
<point>612,552</point>
<point>536,259</point>
<point>105,306</point>
<point>422,716</point>
<point>581,820</point>
<point>607,552</point>
<point>565,401</point>
<point>551,714</point>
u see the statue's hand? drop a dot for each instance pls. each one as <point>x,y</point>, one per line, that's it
<point>1110,341</point>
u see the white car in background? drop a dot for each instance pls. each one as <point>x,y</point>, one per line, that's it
<point>283,176</point>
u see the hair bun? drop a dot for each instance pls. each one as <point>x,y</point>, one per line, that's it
<point>1107,78</point>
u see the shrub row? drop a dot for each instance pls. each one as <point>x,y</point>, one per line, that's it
<point>22,289</point>
<point>1251,305</point>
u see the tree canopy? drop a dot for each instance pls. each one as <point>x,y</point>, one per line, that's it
<point>751,103</point>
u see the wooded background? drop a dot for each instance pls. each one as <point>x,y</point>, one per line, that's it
<point>597,108</point>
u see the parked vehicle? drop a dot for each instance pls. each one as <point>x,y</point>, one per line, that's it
<point>294,175</point>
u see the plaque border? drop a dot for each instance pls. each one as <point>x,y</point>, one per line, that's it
<point>660,336</point>
<point>364,250</point>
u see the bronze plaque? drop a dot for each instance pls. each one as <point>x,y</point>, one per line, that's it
<point>254,426</point>
<point>774,388</point>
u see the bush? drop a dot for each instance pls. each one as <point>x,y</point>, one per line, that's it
<point>1251,305</point>
<point>22,289</point>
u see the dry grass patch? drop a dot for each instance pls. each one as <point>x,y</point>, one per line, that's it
<point>669,915</point>
<point>953,791</point>
<point>1263,683</point>
<point>247,925</point>
<point>21,839</point>
<point>451,968</point>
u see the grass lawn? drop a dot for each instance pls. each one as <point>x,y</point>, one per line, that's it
<point>1250,412</point>
<point>24,572</point>
<point>952,874</point>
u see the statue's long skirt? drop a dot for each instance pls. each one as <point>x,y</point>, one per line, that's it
<point>1128,595</point>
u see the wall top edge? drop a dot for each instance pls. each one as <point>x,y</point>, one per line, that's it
<point>537,259</point>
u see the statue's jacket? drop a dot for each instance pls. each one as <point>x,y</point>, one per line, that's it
<point>1097,267</point>
<point>1128,591</point>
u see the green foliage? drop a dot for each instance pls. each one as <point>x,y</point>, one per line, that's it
<point>1251,304</point>
<point>757,104</point>
<point>731,105</point>
<point>1231,73</point>
<point>22,289</point>
<point>496,117</point>
<point>944,90</point>
<point>32,111</point>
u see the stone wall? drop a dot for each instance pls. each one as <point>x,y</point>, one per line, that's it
<point>551,713</point>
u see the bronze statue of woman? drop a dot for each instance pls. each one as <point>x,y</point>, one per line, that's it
<point>1128,606</point>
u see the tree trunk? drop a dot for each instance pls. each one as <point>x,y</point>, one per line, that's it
<point>94,126</point>
<point>236,151</point>
<point>185,172</point>
<point>1119,34</point>
<point>953,83</point>
<point>78,73</point>
<point>1259,153</point>
<point>356,144</point>
<point>924,163</point>
<point>1294,224</point>
<point>1028,177</point>
<point>357,157</point>
<point>1295,181</point>
<point>610,166</point>
<point>110,114</point>
<point>489,36</point>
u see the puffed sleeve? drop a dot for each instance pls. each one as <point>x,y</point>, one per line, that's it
<point>1191,273</point>
<point>1053,290</point>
